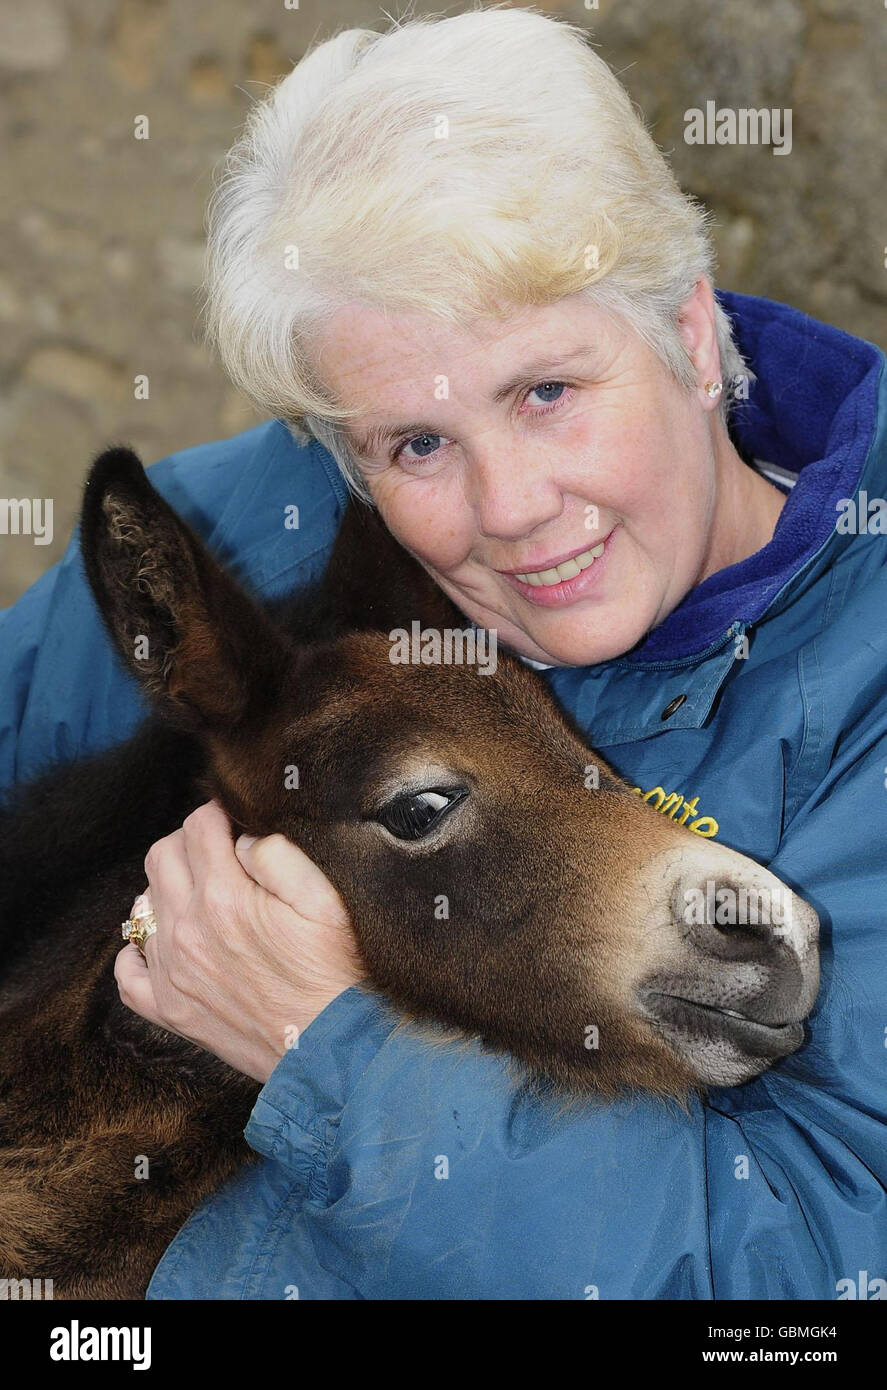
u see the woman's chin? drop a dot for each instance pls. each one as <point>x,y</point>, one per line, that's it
<point>586,635</point>
<point>575,641</point>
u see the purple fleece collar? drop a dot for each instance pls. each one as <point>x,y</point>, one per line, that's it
<point>813,410</point>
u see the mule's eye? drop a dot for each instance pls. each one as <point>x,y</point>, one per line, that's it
<point>414,814</point>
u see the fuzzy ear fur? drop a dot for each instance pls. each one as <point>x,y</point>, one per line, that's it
<point>199,646</point>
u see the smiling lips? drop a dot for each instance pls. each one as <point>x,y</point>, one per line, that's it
<point>561,583</point>
<point>567,570</point>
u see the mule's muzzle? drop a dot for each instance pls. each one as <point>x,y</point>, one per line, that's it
<point>738,968</point>
<point>751,1036</point>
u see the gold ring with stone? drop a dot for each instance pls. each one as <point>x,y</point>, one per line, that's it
<point>138,929</point>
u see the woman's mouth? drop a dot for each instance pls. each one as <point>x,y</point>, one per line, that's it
<point>563,583</point>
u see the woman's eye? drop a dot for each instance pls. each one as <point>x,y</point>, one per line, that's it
<point>430,443</point>
<point>558,386</point>
<point>414,814</point>
<point>426,445</point>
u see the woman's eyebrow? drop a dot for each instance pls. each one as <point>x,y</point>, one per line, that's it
<point>367,444</point>
<point>538,369</point>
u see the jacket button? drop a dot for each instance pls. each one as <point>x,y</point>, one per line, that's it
<point>672,706</point>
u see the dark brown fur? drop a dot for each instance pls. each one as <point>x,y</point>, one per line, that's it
<point>539,939</point>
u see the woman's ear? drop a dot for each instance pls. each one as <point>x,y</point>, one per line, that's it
<point>698,329</point>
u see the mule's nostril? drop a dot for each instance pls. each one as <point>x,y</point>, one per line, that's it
<point>732,907</point>
<point>726,913</point>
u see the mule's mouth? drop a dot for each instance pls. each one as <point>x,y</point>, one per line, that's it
<point>754,1037</point>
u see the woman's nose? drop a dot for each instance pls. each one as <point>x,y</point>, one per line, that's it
<point>511,498</point>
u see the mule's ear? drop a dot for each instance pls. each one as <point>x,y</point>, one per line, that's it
<point>371,581</point>
<point>202,650</point>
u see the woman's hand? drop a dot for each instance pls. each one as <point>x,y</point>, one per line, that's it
<point>252,943</point>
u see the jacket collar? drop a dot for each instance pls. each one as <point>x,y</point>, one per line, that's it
<point>813,410</point>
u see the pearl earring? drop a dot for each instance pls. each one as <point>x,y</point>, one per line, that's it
<point>713,389</point>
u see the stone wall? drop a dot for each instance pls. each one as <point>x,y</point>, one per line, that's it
<point>101,246</point>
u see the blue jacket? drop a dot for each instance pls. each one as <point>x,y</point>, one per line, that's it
<point>396,1169</point>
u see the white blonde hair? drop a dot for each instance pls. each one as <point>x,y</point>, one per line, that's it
<point>463,167</point>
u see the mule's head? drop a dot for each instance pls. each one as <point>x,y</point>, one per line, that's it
<point>500,877</point>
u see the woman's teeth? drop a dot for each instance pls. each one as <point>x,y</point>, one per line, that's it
<point>568,570</point>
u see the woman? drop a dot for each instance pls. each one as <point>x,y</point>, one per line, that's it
<point>453,254</point>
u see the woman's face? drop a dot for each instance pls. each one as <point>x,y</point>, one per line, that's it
<point>522,450</point>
